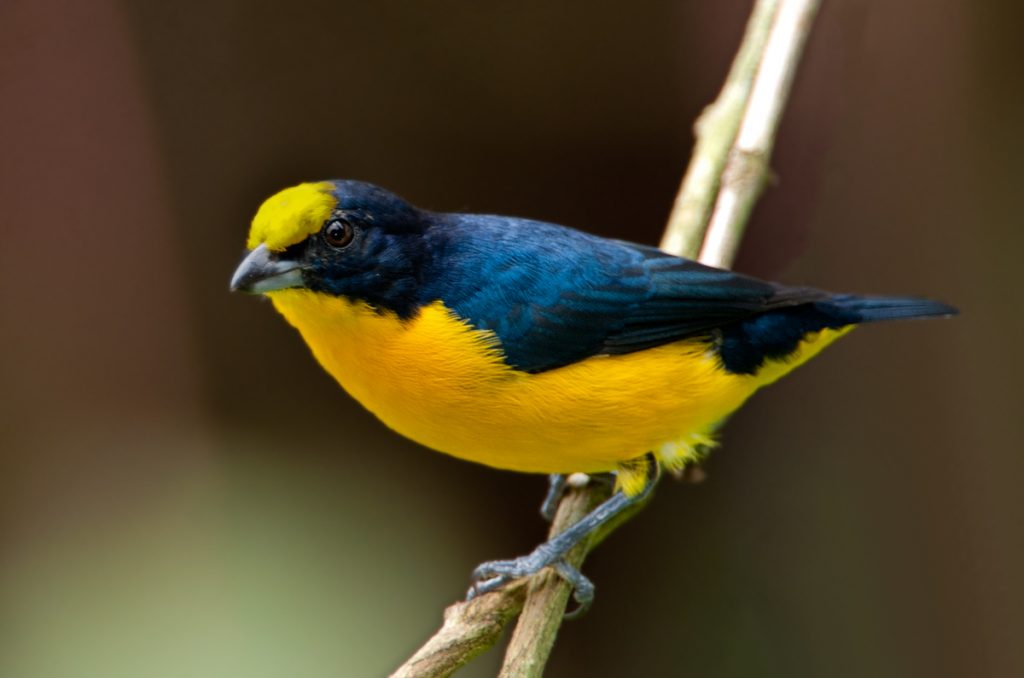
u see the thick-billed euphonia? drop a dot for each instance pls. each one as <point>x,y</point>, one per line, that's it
<point>530,346</point>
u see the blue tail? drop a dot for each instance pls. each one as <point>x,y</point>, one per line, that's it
<point>776,333</point>
<point>853,309</point>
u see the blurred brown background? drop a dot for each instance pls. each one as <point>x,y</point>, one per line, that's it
<point>185,493</point>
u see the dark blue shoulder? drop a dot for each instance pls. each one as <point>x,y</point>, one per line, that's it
<point>551,294</point>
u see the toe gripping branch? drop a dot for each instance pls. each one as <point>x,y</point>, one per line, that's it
<point>494,574</point>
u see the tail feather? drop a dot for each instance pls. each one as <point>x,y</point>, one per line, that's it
<point>857,309</point>
<point>776,334</point>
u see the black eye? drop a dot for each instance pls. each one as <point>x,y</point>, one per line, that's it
<point>338,233</point>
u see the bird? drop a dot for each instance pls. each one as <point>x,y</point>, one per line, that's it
<point>534,347</point>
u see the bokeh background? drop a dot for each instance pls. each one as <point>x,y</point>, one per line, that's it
<point>185,493</point>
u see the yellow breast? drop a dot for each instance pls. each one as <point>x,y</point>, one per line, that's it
<point>442,383</point>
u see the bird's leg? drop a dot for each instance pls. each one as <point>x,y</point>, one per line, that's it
<point>492,575</point>
<point>556,488</point>
<point>557,484</point>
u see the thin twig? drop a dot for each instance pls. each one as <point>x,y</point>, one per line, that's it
<point>747,169</point>
<point>715,131</point>
<point>735,139</point>
<point>470,627</point>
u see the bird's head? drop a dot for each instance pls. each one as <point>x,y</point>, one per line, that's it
<point>339,238</point>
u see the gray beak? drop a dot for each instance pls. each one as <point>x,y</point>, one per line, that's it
<point>261,271</point>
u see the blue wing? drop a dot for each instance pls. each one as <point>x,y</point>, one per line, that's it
<point>555,296</point>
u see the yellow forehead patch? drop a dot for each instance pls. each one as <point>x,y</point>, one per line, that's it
<point>289,216</point>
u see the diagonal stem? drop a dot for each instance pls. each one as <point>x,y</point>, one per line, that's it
<point>735,136</point>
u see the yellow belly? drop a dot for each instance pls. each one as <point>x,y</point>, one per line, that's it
<point>444,384</point>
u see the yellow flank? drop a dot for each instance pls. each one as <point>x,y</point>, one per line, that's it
<point>440,382</point>
<point>289,216</point>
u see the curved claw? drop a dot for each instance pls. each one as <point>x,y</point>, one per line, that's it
<point>582,588</point>
<point>486,586</point>
<point>494,574</point>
